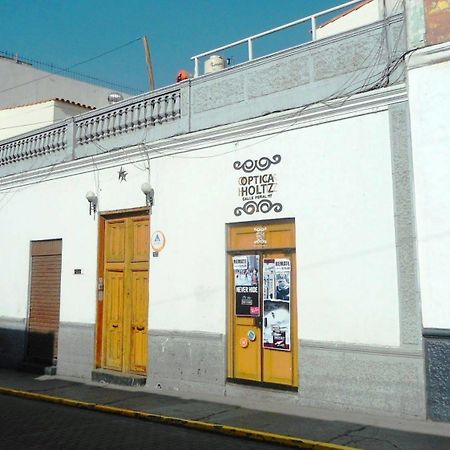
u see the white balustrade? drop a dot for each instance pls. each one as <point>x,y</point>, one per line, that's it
<point>43,143</point>
<point>144,112</point>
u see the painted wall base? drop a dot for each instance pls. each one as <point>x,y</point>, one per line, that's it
<point>186,362</point>
<point>355,378</point>
<point>12,342</point>
<point>334,376</point>
<point>76,350</point>
<point>376,380</point>
<point>437,354</point>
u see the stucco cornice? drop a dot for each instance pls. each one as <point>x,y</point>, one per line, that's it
<point>427,56</point>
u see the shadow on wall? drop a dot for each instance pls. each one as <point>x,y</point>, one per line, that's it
<point>19,346</point>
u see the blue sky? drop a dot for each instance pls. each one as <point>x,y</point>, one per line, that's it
<point>65,33</point>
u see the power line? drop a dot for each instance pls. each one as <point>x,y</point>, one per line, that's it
<point>49,67</point>
<point>67,69</point>
<point>49,122</point>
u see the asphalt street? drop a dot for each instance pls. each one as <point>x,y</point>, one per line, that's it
<point>29,424</point>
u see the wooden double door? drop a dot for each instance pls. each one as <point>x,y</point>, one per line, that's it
<point>263,341</point>
<point>123,293</point>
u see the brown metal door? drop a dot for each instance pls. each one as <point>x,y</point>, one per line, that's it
<point>43,317</point>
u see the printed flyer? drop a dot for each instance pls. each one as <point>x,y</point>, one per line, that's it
<point>246,285</point>
<point>276,303</point>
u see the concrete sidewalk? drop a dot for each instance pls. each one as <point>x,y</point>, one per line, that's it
<point>230,419</point>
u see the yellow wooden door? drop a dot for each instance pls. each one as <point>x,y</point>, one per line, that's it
<point>278,321</point>
<point>263,341</point>
<point>125,313</point>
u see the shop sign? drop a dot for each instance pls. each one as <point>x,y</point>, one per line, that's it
<point>257,186</point>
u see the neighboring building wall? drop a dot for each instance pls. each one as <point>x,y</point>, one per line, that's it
<point>428,22</point>
<point>429,92</point>
<point>364,13</point>
<point>437,18</point>
<point>415,23</point>
<point>361,15</point>
<point>15,121</point>
<point>23,84</point>
<point>64,110</point>
<point>22,119</point>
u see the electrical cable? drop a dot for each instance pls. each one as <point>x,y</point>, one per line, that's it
<point>72,66</point>
<point>49,67</point>
<point>15,191</point>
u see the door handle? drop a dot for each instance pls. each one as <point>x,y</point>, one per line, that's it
<point>115,326</point>
<point>140,328</point>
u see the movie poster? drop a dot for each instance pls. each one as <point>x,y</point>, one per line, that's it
<point>276,304</point>
<point>246,285</point>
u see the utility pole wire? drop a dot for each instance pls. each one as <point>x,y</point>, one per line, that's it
<point>72,66</point>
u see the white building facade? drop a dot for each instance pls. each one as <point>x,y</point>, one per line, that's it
<point>277,256</point>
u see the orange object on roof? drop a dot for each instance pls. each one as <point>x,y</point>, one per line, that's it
<point>182,75</point>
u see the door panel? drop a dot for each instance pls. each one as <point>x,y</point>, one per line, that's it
<point>115,241</point>
<point>114,320</point>
<point>277,367</point>
<point>278,363</point>
<point>141,240</point>
<point>276,235</point>
<point>247,359</point>
<point>139,308</point>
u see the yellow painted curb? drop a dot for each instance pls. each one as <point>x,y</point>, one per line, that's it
<point>274,438</point>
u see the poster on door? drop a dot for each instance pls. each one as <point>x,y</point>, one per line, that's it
<point>276,304</point>
<point>246,285</point>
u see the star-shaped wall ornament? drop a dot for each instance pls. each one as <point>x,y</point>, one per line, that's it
<point>122,174</point>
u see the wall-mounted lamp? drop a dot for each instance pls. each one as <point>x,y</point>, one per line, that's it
<point>148,192</point>
<point>92,199</point>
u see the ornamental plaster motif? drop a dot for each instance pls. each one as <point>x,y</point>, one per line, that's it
<point>256,191</point>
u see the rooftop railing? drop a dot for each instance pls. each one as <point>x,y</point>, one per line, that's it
<point>250,40</point>
<point>142,112</point>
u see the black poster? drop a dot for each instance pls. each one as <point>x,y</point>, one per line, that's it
<point>246,285</point>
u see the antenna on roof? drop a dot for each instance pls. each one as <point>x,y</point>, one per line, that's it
<point>148,60</point>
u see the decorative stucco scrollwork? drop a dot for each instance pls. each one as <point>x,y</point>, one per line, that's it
<point>261,164</point>
<point>263,206</point>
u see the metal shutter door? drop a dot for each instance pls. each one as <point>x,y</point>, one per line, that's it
<point>43,319</point>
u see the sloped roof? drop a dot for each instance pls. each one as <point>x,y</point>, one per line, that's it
<point>56,99</point>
